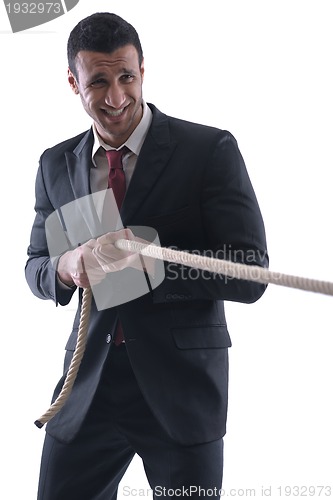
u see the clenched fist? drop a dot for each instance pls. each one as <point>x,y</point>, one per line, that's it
<point>80,267</point>
<point>113,259</point>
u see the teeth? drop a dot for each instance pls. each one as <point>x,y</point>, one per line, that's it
<point>114,113</point>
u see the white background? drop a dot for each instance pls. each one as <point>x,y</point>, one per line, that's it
<point>263,70</point>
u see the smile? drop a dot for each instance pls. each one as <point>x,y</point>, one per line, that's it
<point>114,113</point>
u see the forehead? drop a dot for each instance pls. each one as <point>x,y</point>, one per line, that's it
<point>123,57</point>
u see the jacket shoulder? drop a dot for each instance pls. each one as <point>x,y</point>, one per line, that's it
<point>192,130</point>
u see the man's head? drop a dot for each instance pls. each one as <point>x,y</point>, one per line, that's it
<point>106,69</point>
<point>101,32</point>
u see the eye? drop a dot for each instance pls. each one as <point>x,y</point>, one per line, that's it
<point>127,77</point>
<point>98,83</point>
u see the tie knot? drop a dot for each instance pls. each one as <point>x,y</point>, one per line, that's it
<point>114,157</point>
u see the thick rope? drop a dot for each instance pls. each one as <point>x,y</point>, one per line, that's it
<point>75,363</point>
<point>218,266</point>
<point>227,268</point>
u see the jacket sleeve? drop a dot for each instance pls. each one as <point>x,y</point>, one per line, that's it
<point>40,269</point>
<point>233,230</point>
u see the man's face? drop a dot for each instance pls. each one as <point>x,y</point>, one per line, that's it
<point>110,87</point>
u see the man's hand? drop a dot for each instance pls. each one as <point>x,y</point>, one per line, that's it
<point>112,259</point>
<point>79,266</point>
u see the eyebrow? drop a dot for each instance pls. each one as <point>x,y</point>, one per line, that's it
<point>103,75</point>
<point>96,76</point>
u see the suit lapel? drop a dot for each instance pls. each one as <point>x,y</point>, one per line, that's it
<point>79,164</point>
<point>81,218</point>
<point>151,162</point>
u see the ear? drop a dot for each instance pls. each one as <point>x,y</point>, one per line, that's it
<point>142,68</point>
<point>72,82</point>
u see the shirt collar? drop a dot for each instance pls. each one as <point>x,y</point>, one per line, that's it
<point>135,140</point>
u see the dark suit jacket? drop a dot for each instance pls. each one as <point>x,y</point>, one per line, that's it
<point>191,185</point>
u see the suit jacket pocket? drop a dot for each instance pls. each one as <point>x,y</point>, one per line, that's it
<point>170,218</point>
<point>202,337</point>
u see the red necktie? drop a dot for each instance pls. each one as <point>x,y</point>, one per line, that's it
<point>117,182</point>
<point>116,179</point>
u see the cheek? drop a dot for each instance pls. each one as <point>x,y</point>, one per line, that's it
<point>136,94</point>
<point>139,90</point>
<point>88,102</point>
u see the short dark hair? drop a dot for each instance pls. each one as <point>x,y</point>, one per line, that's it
<point>101,32</point>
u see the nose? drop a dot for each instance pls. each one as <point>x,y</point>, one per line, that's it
<point>115,96</point>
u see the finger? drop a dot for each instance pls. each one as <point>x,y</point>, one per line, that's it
<point>81,281</point>
<point>91,243</point>
<point>106,239</point>
<point>128,234</point>
<point>114,236</point>
<point>103,254</point>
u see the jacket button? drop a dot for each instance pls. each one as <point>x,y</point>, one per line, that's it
<point>108,338</point>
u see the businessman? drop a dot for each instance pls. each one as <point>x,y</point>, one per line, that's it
<point>154,377</point>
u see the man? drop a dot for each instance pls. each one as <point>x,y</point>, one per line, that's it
<point>162,392</point>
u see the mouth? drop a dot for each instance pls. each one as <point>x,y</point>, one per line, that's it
<point>114,113</point>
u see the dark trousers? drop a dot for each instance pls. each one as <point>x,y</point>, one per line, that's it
<point>119,425</point>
